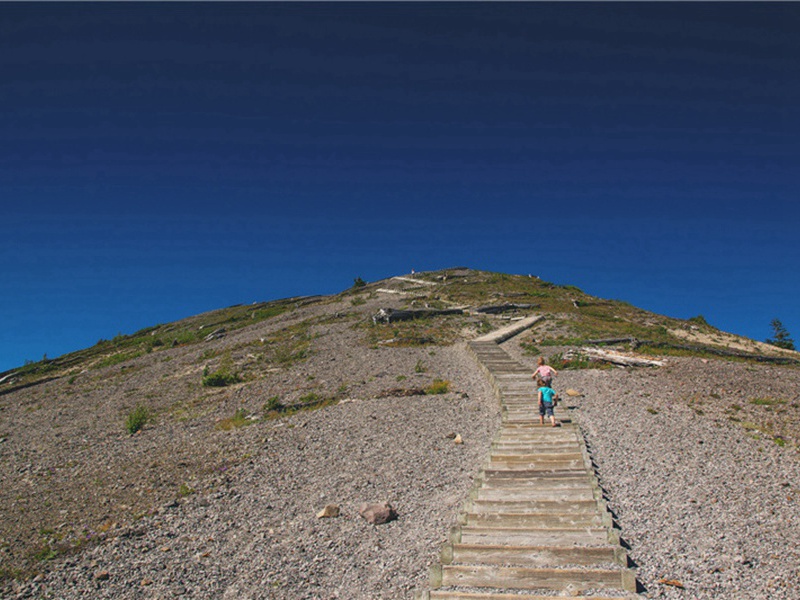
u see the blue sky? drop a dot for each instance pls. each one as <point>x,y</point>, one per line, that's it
<point>159,160</point>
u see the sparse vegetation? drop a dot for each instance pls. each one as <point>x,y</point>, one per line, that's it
<point>239,419</point>
<point>438,386</point>
<point>184,490</point>
<point>766,401</point>
<point>420,367</point>
<point>224,375</point>
<point>137,419</point>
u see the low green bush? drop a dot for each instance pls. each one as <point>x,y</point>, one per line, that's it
<point>137,419</point>
<point>439,386</point>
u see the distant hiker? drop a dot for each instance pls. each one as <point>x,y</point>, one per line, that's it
<point>547,400</point>
<point>544,372</point>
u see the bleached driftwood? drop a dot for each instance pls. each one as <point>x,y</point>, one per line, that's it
<point>411,280</point>
<point>621,359</point>
<point>390,315</point>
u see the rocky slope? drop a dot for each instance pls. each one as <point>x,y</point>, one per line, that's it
<point>217,495</point>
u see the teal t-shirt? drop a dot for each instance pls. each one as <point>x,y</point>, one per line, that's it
<point>547,394</point>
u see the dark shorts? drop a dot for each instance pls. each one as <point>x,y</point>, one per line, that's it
<point>545,409</point>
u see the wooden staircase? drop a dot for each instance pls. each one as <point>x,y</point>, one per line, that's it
<point>535,523</point>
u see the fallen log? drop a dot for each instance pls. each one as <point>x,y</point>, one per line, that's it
<point>501,308</point>
<point>390,315</point>
<point>620,359</point>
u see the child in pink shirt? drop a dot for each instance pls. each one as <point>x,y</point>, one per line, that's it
<point>544,372</point>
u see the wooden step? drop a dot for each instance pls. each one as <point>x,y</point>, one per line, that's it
<point>456,595</point>
<point>534,506</point>
<point>539,466</point>
<point>533,556</point>
<point>526,494</point>
<point>522,536</point>
<point>532,578</point>
<point>510,520</point>
<point>537,457</point>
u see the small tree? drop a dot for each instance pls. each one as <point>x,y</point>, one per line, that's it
<point>781,337</point>
<point>358,282</point>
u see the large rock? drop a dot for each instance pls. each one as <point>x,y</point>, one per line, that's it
<point>377,514</point>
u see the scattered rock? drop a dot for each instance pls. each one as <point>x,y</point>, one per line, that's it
<point>330,510</point>
<point>573,393</point>
<point>102,576</point>
<point>458,440</point>
<point>451,435</point>
<point>378,514</point>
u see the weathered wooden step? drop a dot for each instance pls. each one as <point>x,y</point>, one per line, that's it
<point>532,578</point>
<point>536,476</point>
<point>533,556</point>
<point>522,536</point>
<point>528,520</point>
<point>538,443</point>
<point>537,457</point>
<point>534,506</point>
<point>526,494</point>
<point>458,595</point>
<point>542,465</point>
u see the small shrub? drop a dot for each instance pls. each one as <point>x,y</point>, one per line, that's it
<point>420,367</point>
<point>239,419</point>
<point>358,301</point>
<point>652,411</point>
<point>184,490</point>
<point>359,283</point>
<point>439,386</point>
<point>137,419</point>
<point>528,349</point>
<point>273,404</point>
<point>43,552</point>
<point>224,375</point>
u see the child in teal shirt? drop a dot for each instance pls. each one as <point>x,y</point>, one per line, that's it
<point>547,399</point>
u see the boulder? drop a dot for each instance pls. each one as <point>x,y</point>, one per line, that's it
<point>377,514</point>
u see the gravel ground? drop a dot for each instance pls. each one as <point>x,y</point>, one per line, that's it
<point>254,533</point>
<point>699,461</point>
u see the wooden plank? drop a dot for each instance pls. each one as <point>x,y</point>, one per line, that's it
<point>457,595</point>
<point>587,536</point>
<point>534,556</point>
<point>508,520</point>
<point>527,494</point>
<point>524,578</point>
<point>536,506</point>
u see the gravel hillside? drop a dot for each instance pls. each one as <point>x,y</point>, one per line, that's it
<point>217,496</point>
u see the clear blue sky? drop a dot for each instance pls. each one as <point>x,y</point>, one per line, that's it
<point>160,160</point>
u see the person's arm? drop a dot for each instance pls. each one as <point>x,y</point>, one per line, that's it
<point>540,396</point>
<point>554,371</point>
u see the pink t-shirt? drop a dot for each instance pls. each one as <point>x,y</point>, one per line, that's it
<point>544,371</point>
